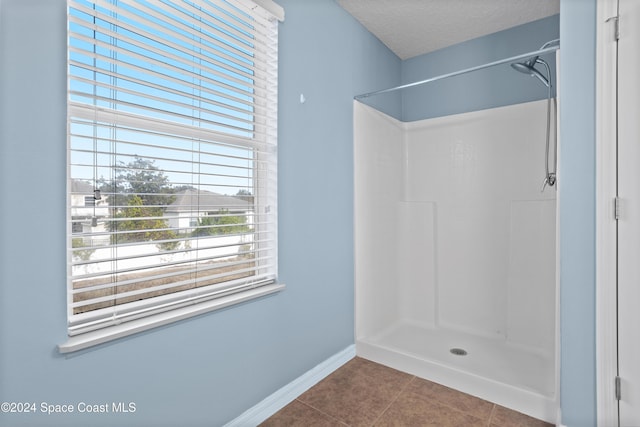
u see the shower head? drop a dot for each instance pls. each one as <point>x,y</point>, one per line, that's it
<point>528,67</point>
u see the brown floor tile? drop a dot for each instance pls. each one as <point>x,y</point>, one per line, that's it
<point>298,414</point>
<point>411,409</point>
<point>503,417</point>
<point>450,397</point>
<point>372,369</point>
<point>364,393</point>
<point>357,393</point>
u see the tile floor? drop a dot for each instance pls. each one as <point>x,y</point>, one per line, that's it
<point>364,393</point>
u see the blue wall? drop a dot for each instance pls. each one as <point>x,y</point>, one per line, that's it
<point>577,212</point>
<point>492,87</point>
<point>207,370</point>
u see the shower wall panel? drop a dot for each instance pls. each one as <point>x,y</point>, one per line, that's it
<point>416,263</point>
<point>452,230</point>
<point>530,278</point>
<point>494,228</point>
<point>378,172</point>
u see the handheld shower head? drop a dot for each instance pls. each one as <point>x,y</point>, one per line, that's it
<point>528,67</point>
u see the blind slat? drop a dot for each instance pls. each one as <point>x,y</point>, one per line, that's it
<point>135,28</point>
<point>136,121</point>
<point>203,278</point>
<point>219,126</point>
<point>200,258</point>
<point>178,93</point>
<point>245,80</point>
<point>134,311</point>
<point>159,275</point>
<point>213,145</point>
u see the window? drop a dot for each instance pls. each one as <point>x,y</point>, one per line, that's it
<point>171,157</point>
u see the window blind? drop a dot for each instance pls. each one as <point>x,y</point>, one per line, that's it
<point>172,162</point>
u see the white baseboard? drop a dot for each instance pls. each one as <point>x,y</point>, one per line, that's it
<point>281,398</point>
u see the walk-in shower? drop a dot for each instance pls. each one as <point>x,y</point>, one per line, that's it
<point>455,244</point>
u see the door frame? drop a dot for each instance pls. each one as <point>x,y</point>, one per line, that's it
<point>606,228</point>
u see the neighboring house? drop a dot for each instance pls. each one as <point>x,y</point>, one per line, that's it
<point>88,213</point>
<point>191,205</point>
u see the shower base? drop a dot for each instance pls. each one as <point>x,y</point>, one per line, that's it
<point>492,369</point>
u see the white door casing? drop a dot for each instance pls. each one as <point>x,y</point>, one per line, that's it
<point>606,224</point>
<point>629,220</point>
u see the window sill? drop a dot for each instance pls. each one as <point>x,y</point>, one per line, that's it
<point>89,339</point>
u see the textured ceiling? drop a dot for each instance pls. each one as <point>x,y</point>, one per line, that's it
<point>414,27</point>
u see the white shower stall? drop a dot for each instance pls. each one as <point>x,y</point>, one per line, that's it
<point>455,249</point>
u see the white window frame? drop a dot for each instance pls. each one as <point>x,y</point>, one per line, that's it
<point>102,325</point>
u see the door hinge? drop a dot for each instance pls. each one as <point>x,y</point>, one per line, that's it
<point>616,208</point>
<point>618,389</point>
<point>616,27</point>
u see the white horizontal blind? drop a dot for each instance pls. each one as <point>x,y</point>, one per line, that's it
<point>171,155</point>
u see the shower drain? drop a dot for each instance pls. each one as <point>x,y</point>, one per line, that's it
<point>458,351</point>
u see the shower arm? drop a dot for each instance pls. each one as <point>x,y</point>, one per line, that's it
<point>555,42</point>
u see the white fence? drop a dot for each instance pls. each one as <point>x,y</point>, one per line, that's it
<point>149,254</point>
